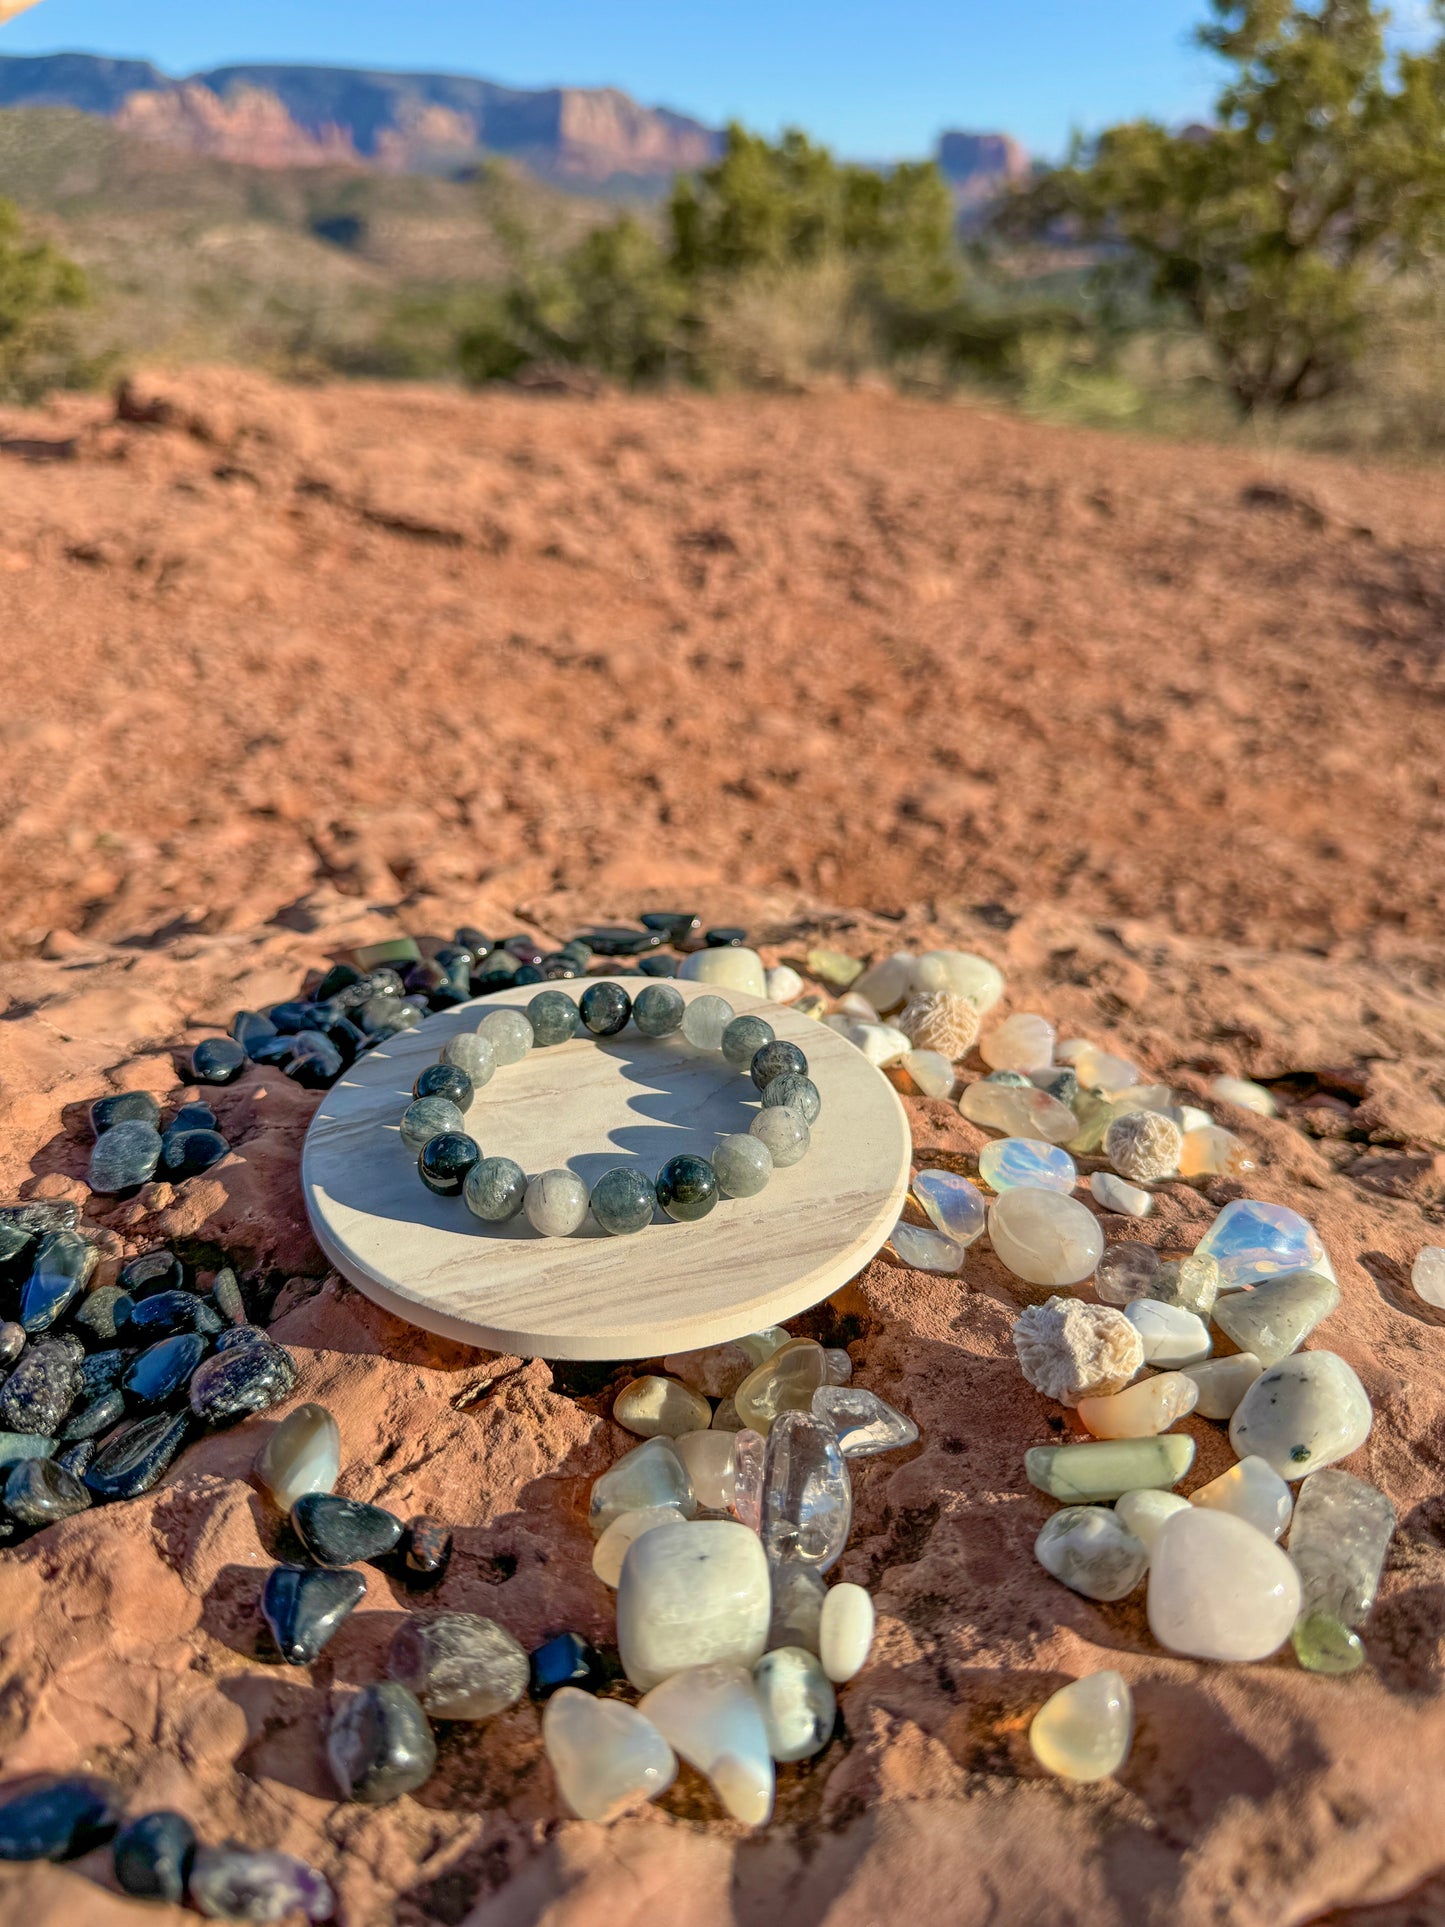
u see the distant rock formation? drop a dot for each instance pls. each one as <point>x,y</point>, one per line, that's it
<point>978,166</point>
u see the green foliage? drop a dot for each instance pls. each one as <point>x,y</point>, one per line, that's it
<point>1276,230</point>
<point>36,284</point>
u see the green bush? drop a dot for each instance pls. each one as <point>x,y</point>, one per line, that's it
<point>37,284</point>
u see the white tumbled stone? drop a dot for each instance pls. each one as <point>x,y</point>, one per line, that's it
<point>1253,1491</point>
<point>1117,1194</point>
<point>845,1631</point>
<point>797,1702</point>
<point>886,984</point>
<point>1427,1275</point>
<point>880,1043</point>
<point>1084,1731</point>
<point>708,1456</point>
<point>710,1715</point>
<point>1171,1336</point>
<point>923,1249</point>
<point>1145,1511</point>
<point>1223,1382</point>
<point>1141,1411</point>
<point>1091,1550</point>
<point>611,1549</point>
<point>1244,1095</point>
<point>649,1475</point>
<point>607,1756</point>
<point>962,972</point>
<point>1219,1589</point>
<point>783,984</point>
<point>1305,1412</point>
<point>1023,1042</point>
<point>303,1454</point>
<point>726,967</point>
<point>692,1595</point>
<point>931,1071</point>
<point>1044,1237</point>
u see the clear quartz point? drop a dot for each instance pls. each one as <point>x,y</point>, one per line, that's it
<point>807,1494</point>
<point>864,1423</point>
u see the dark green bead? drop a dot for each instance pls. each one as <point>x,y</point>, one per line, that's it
<point>777,1059</point>
<point>445,1161</point>
<point>743,1039</point>
<point>553,1015</point>
<point>687,1188</point>
<point>623,1201</point>
<point>445,1080</point>
<point>605,1009</point>
<point>657,1010</point>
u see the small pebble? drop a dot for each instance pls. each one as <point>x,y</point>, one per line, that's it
<point>921,1249</point>
<point>341,1532</point>
<point>303,1454</point>
<point>151,1272</point>
<point>1171,1336</point>
<point>606,1756</point>
<point>124,1157</point>
<point>1252,1491</point>
<point>232,1384</point>
<point>1244,1095</point>
<point>257,1885</point>
<point>126,1107</point>
<point>132,1460</point>
<point>304,1606</point>
<point>62,1817</point>
<point>460,1666</point>
<point>1024,1042</point>
<point>845,1631</point>
<point>1219,1589</point>
<point>380,1745</point>
<point>1043,1237</point>
<point>152,1856</point>
<point>163,1370</point>
<point>657,1407</point>
<point>611,1549</point>
<point>1085,1730</point>
<point>38,1492</point>
<point>1427,1275</point>
<point>217,1060</point>
<point>185,1154</point>
<point>1117,1194</point>
<point>428,1552</point>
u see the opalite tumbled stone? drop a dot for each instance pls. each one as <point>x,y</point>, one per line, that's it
<point>509,1034</point>
<point>302,1455</point>
<point>1427,1275</point>
<point>1143,1410</point>
<point>784,1131</point>
<point>1044,1238</point>
<point>743,1165</point>
<point>1116,1194</point>
<point>705,1020</point>
<point>1018,1112</point>
<point>607,1757</point>
<point>1211,1151</point>
<point>960,971</point>
<point>1144,1512</point>
<point>657,1407</point>
<point>1171,1336</point>
<point>611,1548</point>
<point>922,1249</point>
<point>797,1702</point>
<point>1278,1314</point>
<point>886,984</point>
<point>1097,1069</point>
<point>729,967</point>
<point>1246,1096</point>
<point>865,1424</point>
<point>708,1456</point>
<point>1023,1042</point>
<point>1084,1731</point>
<point>807,1499</point>
<point>784,1382</point>
<point>1087,1473</point>
<point>1223,1382</point>
<point>1338,1540</point>
<point>555,1203</point>
<point>845,1631</point>
<point>692,1595</point>
<point>710,1716</point>
<point>955,1205</point>
<point>1252,1491</point>
<point>1251,1240</point>
<point>1069,1350</point>
<point>429,1117</point>
<point>1012,1161</point>
<point>1302,1414</point>
<point>1092,1551</point>
<point>495,1189</point>
<point>1219,1589</point>
<point>649,1475</point>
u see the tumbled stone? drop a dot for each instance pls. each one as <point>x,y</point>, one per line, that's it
<point>1044,1238</point>
<point>1302,1414</point>
<point>716,1370</point>
<point>1092,1116</point>
<point>657,1407</point>
<point>1277,1315</point>
<point>132,1460</point>
<point>1427,1275</point>
<point>1009,1162</point>
<point>495,1189</point>
<point>15,1446</point>
<point>725,1416</point>
<point>1126,1272</point>
<point>152,1856</point>
<point>1252,1491</point>
<point>1251,1240</point>
<point>232,1384</point>
<point>962,972</point>
<point>931,1071</point>
<point>1219,1589</point>
<point>922,1249</point>
<point>881,1044</point>
<point>564,1660</point>
<point>151,1273</point>
<point>428,1552</point>
<point>687,1186</point>
<point>1095,1470</point>
<point>691,1595</point>
<point>1097,1069</point>
<point>124,1157</point>
<point>1115,1194</point>
<point>1023,1042</point>
<point>864,1423</point>
<point>257,1884</point>
<point>12,1336</point>
<point>797,1702</point>
<point>955,1205</point>
<point>555,1203</point>
<point>125,1107</point>
<point>1085,1730</point>
<point>729,967</point>
<point>1144,1512</point>
<point>64,1262</point>
<point>708,1456</point>
<point>607,1756</point>
<point>710,1716</point>
<point>38,1492</point>
<point>1323,1645</point>
<point>1191,1283</point>
<point>1143,1410</point>
<point>783,984</point>
<point>1092,1551</point>
<point>62,1817</point>
<point>426,1118</point>
<point>339,1532</point>
<point>1223,1382</point>
<point>304,1606</point>
<point>1210,1151</point>
<point>303,1454</point>
<point>887,982</point>
<point>1018,1111</point>
<point>380,1745</point>
<point>460,1666</point>
<point>1070,1350</point>
<point>611,1548</point>
<point>509,1034</point>
<point>845,1631</point>
<point>784,1382</point>
<point>217,1060</point>
<point>807,1501</point>
<point>101,1415</point>
<point>185,1154</point>
<point>226,1297</point>
<point>1338,1539</point>
<point>163,1370</point>
<point>652,1474</point>
<point>1170,1335</point>
<point>41,1390</point>
<point>1245,1095</point>
<point>750,1454</point>
<point>796,1611</point>
<point>165,1313</point>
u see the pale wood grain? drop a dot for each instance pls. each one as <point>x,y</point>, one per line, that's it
<point>589,1105</point>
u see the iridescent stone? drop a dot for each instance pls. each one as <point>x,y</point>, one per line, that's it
<point>152,1856</point>
<point>41,1390</point>
<point>611,1548</point>
<point>657,1407</point>
<point>1070,1350</point>
<point>807,1504</point>
<point>797,1702</point>
<point>651,1474</point>
<point>1144,1512</point>
<point>249,1378</point>
<point>1223,1382</point>
<point>1338,1540</point>
<point>63,1264</point>
<point>126,1155</point>
<point>1017,1111</point>
<point>1251,1240</point>
<point>1085,1730</point>
<point>742,1164</point>
<point>1304,1413</point>
<point>1211,1151</point>
<point>38,1492</point>
<point>708,1456</point>
<point>1219,1589</point>
<point>495,1189</point>
<point>241,1883</point>
<point>605,1009</point>
<point>865,1424</point>
<point>1090,1550</point>
<point>1097,1069</point>
<point>924,1250</point>
<point>692,1595</point>
<point>798,1595</point>
<point>1084,1474</point>
<point>1277,1316</point>
<point>1143,1410</point>
<point>1192,1283</point>
<point>954,1203</point>
<point>1427,1275</point>
<point>472,1053</point>
<point>732,967</point>
<point>623,1201</point>
<point>305,1605</point>
<point>1024,1042</point>
<point>711,1717</point>
<point>606,1756</point>
<point>1252,1491</point>
<point>785,1382</point>
<point>1044,1238</point>
<point>797,1092</point>
<point>340,1532</point>
<point>62,1817</point>
<point>133,1459</point>
<point>427,1117</point>
<point>931,1071</point>
<point>380,1745</point>
<point>687,1186</point>
<point>1323,1645</point>
<point>1006,1163</point>
<point>555,1203</point>
<point>1126,1271</point>
<point>750,1455</point>
<point>1171,1336</point>
<point>509,1034</point>
<point>460,1666</point>
<point>1143,1145</point>
<point>1244,1095</point>
<point>704,1021</point>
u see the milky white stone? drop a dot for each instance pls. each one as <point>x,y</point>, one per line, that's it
<point>657,1407</point>
<point>1191,1118</point>
<point>1070,1350</point>
<point>728,967</point>
<point>1044,1238</point>
<point>1223,1382</point>
<point>1211,1151</point>
<point>886,984</point>
<point>930,1071</point>
<point>710,1715</point>
<point>1116,1194</point>
<point>1305,1412</point>
<point>924,1250</point>
<point>1219,1589</point>
<point>1252,1491</point>
<point>1144,1512</point>
<point>1092,1551</point>
<point>303,1454</point>
<point>649,1475</point>
<point>555,1202</point>
<point>611,1548</point>
<point>845,1631</point>
<point>1171,1335</point>
<point>880,1043</point>
<point>1145,1097</point>
<point>1097,1069</point>
<point>853,1004</point>
<point>1023,1042</point>
<point>784,983</point>
<point>1427,1275</point>
<point>1141,1411</point>
<point>716,1369</point>
<point>691,1595</point>
<point>1018,1112</point>
<point>954,1203</point>
<point>708,1456</point>
<point>962,972</point>
<point>606,1755</point>
<point>1085,1730</point>
<point>797,1702</point>
<point>1244,1095</point>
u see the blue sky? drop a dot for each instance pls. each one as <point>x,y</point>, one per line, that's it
<point>876,81</point>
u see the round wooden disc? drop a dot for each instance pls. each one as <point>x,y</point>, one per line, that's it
<point>591,1104</point>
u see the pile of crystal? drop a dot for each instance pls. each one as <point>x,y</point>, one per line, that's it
<point>1221,1584</point>
<point>103,1383</point>
<point>718,1532</point>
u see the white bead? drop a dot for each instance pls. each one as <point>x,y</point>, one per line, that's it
<point>692,1595</point>
<point>845,1631</point>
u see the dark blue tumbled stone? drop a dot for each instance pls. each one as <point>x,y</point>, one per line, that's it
<point>127,1107</point>
<point>75,1458</point>
<point>133,1459</point>
<point>725,936</point>
<point>41,1390</point>
<point>192,1117</point>
<point>273,1051</point>
<point>38,1492</point>
<point>298,1014</point>
<point>217,1060</point>
<point>245,1378</point>
<point>565,1660</point>
<point>152,1856</point>
<point>339,1532</point>
<point>344,1037</point>
<point>185,1154</point>
<point>163,1371</point>
<point>687,1188</point>
<point>125,1157</point>
<point>250,1028</point>
<point>305,1605</point>
<point>95,1419</point>
<point>658,966</point>
<point>445,1161</point>
<point>316,1069</point>
<point>63,1264</point>
<point>167,1312</point>
<point>61,1818</point>
<point>241,1335</point>
<point>102,1372</point>
<point>776,1059</point>
<point>151,1272</point>
<point>445,1080</point>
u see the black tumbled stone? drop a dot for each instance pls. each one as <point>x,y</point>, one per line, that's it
<point>167,1312</point>
<point>133,1459</point>
<point>445,1161</point>
<point>61,1818</point>
<point>339,1532</point>
<point>151,1272</point>
<point>185,1154</point>
<point>95,1419</point>
<point>380,1745</point>
<point>274,1052</point>
<point>238,1335</point>
<point>305,1605</point>
<point>530,974</point>
<point>100,1315</point>
<point>152,1856</point>
<point>687,1187</point>
<point>41,1390</point>
<point>620,940</point>
<point>75,1458</point>
<point>445,1080</point>
<point>217,1060</point>
<point>316,1070</point>
<point>125,1157</point>
<point>725,936</point>
<point>63,1263</point>
<point>38,1492</point>
<point>470,938</point>
<point>339,979</point>
<point>777,1059</point>
<point>246,1378</point>
<point>297,1014</point>
<point>192,1117</point>
<point>163,1371</point>
<point>250,1028</point>
<point>671,924</point>
<point>127,1107</point>
<point>658,966</point>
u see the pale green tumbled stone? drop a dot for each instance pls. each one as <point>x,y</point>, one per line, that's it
<point>1092,1551</point>
<point>426,1118</point>
<point>729,967</point>
<point>509,1034</point>
<point>1276,1317</point>
<point>1094,1471</point>
<point>705,1020</point>
<point>1323,1645</point>
<point>1085,1730</point>
<point>743,1165</point>
<point>784,1131</point>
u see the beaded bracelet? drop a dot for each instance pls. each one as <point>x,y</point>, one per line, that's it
<point>622,1200</point>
